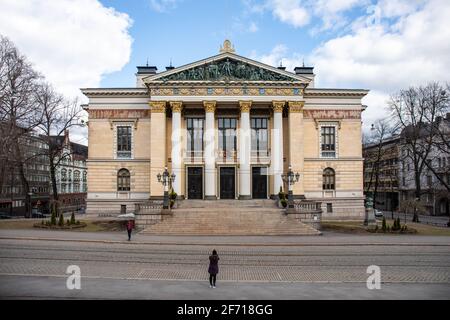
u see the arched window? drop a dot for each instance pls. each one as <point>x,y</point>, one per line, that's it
<point>123,180</point>
<point>63,174</point>
<point>329,179</point>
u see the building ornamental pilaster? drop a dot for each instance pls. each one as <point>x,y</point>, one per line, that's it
<point>210,106</point>
<point>278,106</point>
<point>245,106</point>
<point>296,106</point>
<point>176,106</point>
<point>158,106</point>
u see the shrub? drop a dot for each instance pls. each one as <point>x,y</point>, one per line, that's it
<point>281,194</point>
<point>61,220</point>
<point>173,195</point>
<point>78,222</point>
<point>397,225</point>
<point>68,222</point>
<point>283,203</point>
<point>383,225</point>
<point>172,202</point>
<point>72,218</point>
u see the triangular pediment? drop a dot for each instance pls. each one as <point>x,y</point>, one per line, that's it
<point>226,67</point>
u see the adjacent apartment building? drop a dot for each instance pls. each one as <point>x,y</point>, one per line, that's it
<point>389,172</point>
<point>228,127</point>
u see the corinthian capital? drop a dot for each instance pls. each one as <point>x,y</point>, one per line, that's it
<point>296,106</point>
<point>158,106</point>
<point>278,106</point>
<point>176,106</point>
<point>210,106</point>
<point>245,106</point>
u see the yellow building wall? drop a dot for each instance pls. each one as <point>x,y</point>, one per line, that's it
<point>102,176</point>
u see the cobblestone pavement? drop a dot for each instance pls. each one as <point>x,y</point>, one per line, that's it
<point>309,264</point>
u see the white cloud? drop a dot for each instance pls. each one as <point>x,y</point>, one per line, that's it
<point>74,43</point>
<point>397,44</point>
<point>299,13</point>
<point>290,11</point>
<point>163,5</point>
<point>387,55</point>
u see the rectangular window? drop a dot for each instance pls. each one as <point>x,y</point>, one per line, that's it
<point>194,137</point>
<point>259,137</point>
<point>329,207</point>
<point>328,141</point>
<point>124,142</point>
<point>227,137</point>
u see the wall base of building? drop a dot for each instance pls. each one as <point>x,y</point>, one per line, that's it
<point>110,207</point>
<point>342,208</point>
<point>244,197</point>
<point>210,197</point>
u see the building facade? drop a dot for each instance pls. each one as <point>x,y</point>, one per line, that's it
<point>381,172</point>
<point>36,171</point>
<point>71,173</point>
<point>435,197</point>
<point>227,127</point>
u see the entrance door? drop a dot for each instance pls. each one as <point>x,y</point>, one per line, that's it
<point>227,185</point>
<point>195,183</point>
<point>259,182</point>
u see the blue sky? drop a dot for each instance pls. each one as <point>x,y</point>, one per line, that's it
<point>381,45</point>
<point>190,30</point>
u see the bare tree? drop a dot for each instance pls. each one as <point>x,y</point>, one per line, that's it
<point>414,112</point>
<point>18,112</point>
<point>381,130</point>
<point>58,116</point>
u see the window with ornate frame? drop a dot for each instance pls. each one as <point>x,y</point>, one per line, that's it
<point>123,180</point>
<point>328,139</point>
<point>329,179</point>
<point>124,136</point>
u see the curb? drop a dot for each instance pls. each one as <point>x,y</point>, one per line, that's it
<point>277,244</point>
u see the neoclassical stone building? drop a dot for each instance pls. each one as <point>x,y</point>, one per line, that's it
<point>228,127</point>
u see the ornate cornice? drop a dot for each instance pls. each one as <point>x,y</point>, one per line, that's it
<point>245,106</point>
<point>278,105</point>
<point>296,106</point>
<point>243,89</point>
<point>210,106</point>
<point>176,106</point>
<point>158,106</point>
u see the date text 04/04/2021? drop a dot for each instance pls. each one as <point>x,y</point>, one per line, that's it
<point>225,309</point>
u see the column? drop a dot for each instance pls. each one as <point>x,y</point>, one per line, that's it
<point>276,163</point>
<point>176,144</point>
<point>210,159</point>
<point>296,142</point>
<point>157,147</point>
<point>244,151</point>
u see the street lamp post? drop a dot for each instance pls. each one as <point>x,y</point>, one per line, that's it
<point>166,179</point>
<point>290,178</point>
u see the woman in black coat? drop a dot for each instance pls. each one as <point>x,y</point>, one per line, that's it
<point>213,269</point>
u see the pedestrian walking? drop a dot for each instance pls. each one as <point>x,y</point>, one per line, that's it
<point>130,226</point>
<point>213,269</point>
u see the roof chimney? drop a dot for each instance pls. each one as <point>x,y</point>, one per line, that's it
<point>304,70</point>
<point>147,69</point>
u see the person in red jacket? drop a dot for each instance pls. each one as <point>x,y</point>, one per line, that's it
<point>130,226</point>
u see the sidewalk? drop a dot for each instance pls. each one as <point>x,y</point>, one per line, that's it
<point>327,239</point>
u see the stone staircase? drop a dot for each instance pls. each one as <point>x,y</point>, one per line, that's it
<point>229,217</point>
